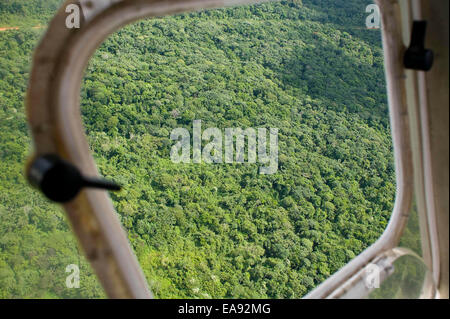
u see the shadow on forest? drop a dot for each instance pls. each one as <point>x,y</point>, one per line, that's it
<point>343,82</point>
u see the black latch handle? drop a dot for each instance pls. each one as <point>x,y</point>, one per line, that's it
<point>416,56</point>
<point>61,181</point>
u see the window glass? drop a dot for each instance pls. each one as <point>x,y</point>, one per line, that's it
<point>411,277</point>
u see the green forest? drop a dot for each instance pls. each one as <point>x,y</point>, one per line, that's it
<point>309,68</point>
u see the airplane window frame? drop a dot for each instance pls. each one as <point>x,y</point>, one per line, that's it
<point>54,115</point>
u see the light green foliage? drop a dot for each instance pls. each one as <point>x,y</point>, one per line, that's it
<point>27,13</point>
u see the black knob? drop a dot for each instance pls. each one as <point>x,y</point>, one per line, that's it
<point>416,56</point>
<point>61,181</point>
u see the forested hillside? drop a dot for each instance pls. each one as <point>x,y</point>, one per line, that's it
<point>26,13</point>
<point>308,68</point>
